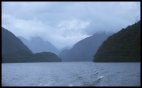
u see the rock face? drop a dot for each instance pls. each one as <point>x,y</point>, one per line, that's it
<point>84,49</point>
<point>14,51</point>
<point>123,46</point>
<point>37,45</point>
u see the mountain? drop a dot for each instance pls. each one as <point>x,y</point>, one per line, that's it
<point>84,49</point>
<point>12,47</point>
<point>36,44</point>
<point>123,46</point>
<point>14,51</point>
<point>64,55</point>
<point>46,57</point>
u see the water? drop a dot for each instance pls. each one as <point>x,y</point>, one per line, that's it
<point>71,74</point>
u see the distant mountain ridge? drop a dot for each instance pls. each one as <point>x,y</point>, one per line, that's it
<point>123,46</point>
<point>46,56</point>
<point>84,50</point>
<point>37,45</point>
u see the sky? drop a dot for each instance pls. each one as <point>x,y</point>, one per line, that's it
<point>65,23</point>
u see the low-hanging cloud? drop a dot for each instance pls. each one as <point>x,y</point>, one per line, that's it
<point>65,23</point>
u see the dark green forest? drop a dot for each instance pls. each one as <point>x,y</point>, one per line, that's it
<point>123,46</point>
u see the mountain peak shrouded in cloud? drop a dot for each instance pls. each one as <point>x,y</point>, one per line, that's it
<point>65,23</point>
<point>37,45</point>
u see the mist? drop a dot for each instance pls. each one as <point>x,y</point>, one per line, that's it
<point>63,24</point>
